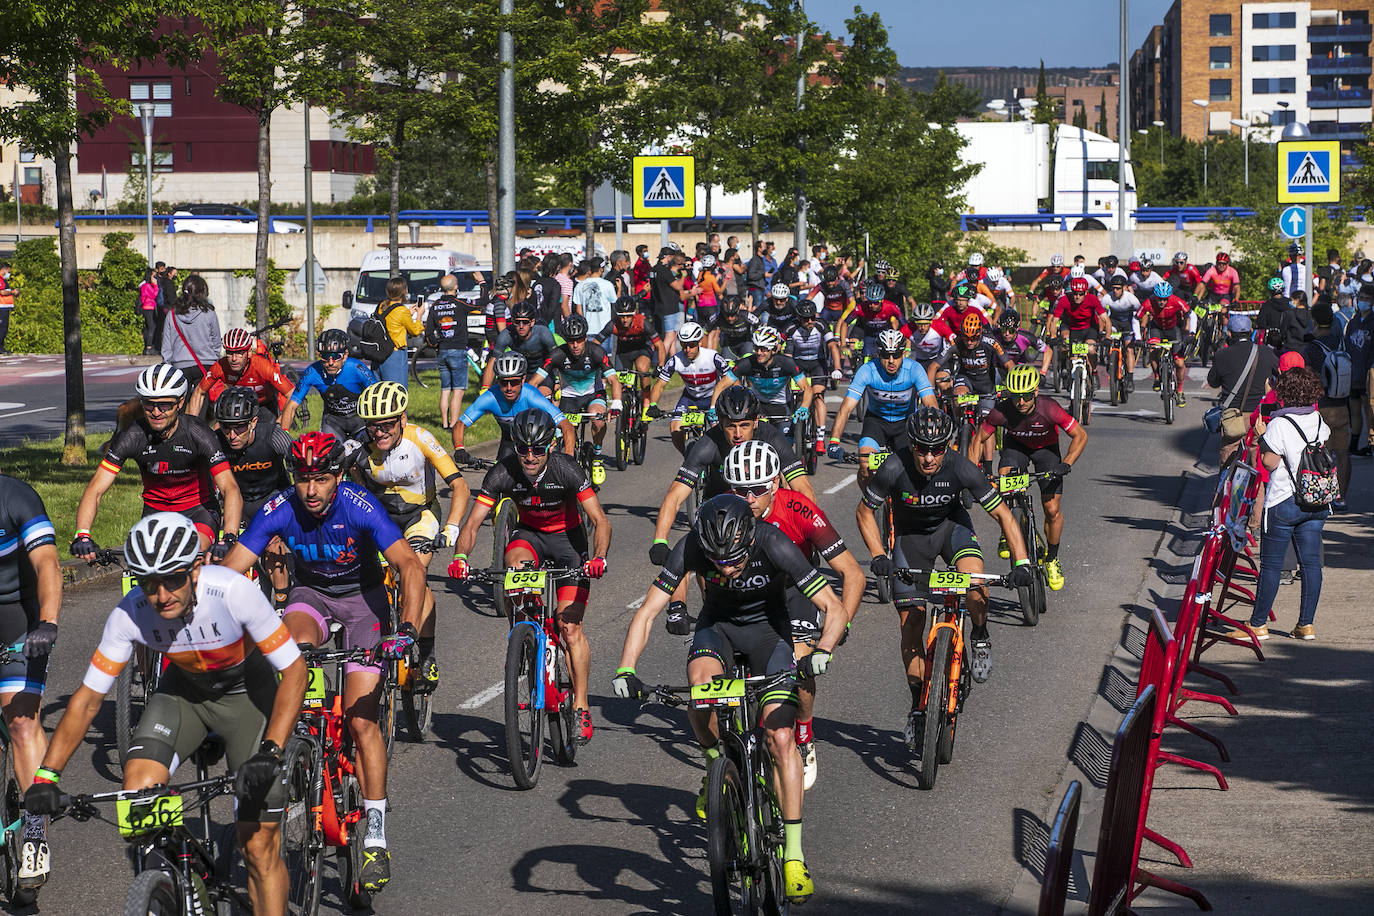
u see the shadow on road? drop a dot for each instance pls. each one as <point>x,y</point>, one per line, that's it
<point>882,751</point>
<point>478,746</point>
<point>610,873</point>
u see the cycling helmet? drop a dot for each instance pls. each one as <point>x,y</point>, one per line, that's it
<point>1055,284</point>
<point>1056,260</point>
<point>975,259</point>
<point>237,340</point>
<point>831,273</point>
<point>382,401</point>
<point>929,426</point>
<point>511,364</point>
<point>1223,257</point>
<point>1146,265</point>
<point>780,291</point>
<point>881,267</point>
<point>1077,271</point>
<point>891,341</point>
<point>1275,285</point>
<point>1180,256</point>
<point>973,324</point>
<point>503,286</point>
<point>575,328</point>
<point>1110,262</point>
<point>924,311</point>
<point>1023,379</point>
<point>314,453</point>
<point>708,261</point>
<point>161,381</point>
<point>1134,266</point>
<point>994,274</point>
<point>738,403</point>
<point>690,333</point>
<point>523,310</point>
<point>626,305</point>
<point>161,543</point>
<point>725,528</point>
<point>1116,280</point>
<point>874,292</point>
<point>1295,249</point>
<point>1010,320</point>
<point>236,405</point>
<point>729,306</point>
<point>751,464</point>
<point>335,340</point>
<point>1163,290</point>
<point>806,309</point>
<point>532,427</point>
<point>962,290</point>
<point>766,337</point>
<point>1078,285</point>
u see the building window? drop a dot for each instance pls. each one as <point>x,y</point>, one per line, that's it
<point>1275,20</point>
<point>1283,116</point>
<point>159,92</point>
<point>1219,58</point>
<point>1219,25</point>
<point>1274,52</point>
<point>1274,85</point>
<point>162,158</point>
<point>1219,90</point>
<point>27,155</point>
<point>33,176</point>
<point>188,151</point>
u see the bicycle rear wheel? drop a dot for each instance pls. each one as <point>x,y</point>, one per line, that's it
<point>1166,389</point>
<point>805,437</point>
<point>640,442</point>
<point>937,701</point>
<point>692,504</point>
<point>1114,381</point>
<point>883,584</point>
<point>302,845</point>
<point>131,695</point>
<point>502,527</point>
<point>415,711</point>
<point>153,893</point>
<point>1025,595</point>
<point>14,839</point>
<point>727,841</point>
<point>386,713</point>
<point>622,443</point>
<point>524,722</point>
<point>563,720</point>
<point>351,856</point>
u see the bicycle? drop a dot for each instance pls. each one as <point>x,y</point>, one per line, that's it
<point>1015,490</point>
<point>585,452</point>
<point>413,703</point>
<point>1080,392</point>
<point>693,421</point>
<point>632,425</point>
<point>744,829</point>
<point>11,809</point>
<point>137,680</point>
<point>806,440</point>
<point>503,516</point>
<point>1117,377</point>
<point>538,681</point>
<point>1168,378</point>
<point>883,514</point>
<point>1212,317</point>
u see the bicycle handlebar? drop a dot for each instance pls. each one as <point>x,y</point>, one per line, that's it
<point>910,575</point>
<point>556,572</point>
<point>82,807</point>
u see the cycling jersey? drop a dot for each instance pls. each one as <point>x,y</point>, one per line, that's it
<point>1144,283</point>
<point>577,376</point>
<point>1035,429</point>
<point>259,468</point>
<point>699,376</point>
<point>403,477</point>
<point>834,296</point>
<point>782,315</point>
<point>340,391</point>
<point>870,321</point>
<point>950,321</point>
<point>978,363</point>
<point>930,347</point>
<point>178,470</point>
<point>261,374</point>
<point>446,325</point>
<point>336,554</point>
<point>549,503</point>
<point>1078,317</point>
<point>493,402</point>
<point>890,398</point>
<point>705,456</point>
<point>1022,345</point>
<point>811,345</point>
<point>920,503</point>
<point>804,524</point>
<point>1050,273</point>
<point>1166,316</point>
<point>769,382</point>
<point>1221,283</point>
<point>1183,281</point>
<point>1121,311</point>
<point>536,346</point>
<point>24,526</point>
<point>639,335</point>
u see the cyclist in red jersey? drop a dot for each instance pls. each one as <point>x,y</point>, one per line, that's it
<point>753,471</point>
<point>1056,269</point>
<point>241,367</point>
<point>1183,276</point>
<point>1083,315</point>
<point>950,319</point>
<point>1165,316</point>
<point>1220,281</point>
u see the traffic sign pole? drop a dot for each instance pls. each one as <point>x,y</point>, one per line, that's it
<point>1307,251</point>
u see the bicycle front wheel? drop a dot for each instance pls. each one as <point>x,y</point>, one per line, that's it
<point>302,844</point>
<point>153,893</point>
<point>806,442</point>
<point>883,584</point>
<point>727,841</point>
<point>415,712</point>
<point>1077,391</point>
<point>524,721</point>
<point>1025,595</point>
<point>1166,389</point>
<point>1114,380</point>
<point>937,703</point>
<point>501,528</point>
<point>19,897</point>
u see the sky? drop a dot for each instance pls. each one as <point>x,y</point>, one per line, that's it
<point>1006,33</point>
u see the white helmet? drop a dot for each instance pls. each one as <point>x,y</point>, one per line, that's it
<point>751,464</point>
<point>161,381</point>
<point>924,311</point>
<point>1056,260</point>
<point>975,259</point>
<point>511,364</point>
<point>891,340</point>
<point>994,274</point>
<point>768,338</point>
<point>708,261</point>
<point>691,332</point>
<point>161,543</point>
<point>780,291</point>
<point>1077,271</point>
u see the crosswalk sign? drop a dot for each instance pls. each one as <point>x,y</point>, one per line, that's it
<point>1309,172</point>
<point>664,187</point>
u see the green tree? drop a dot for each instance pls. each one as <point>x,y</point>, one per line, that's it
<point>1258,248</point>
<point>1044,105</point>
<point>1080,116</point>
<point>1362,177</point>
<point>1102,127</point>
<point>947,102</point>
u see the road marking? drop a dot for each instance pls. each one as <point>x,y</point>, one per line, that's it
<point>10,405</point>
<point>47,373</point>
<point>839,486</point>
<point>19,413</point>
<point>118,370</point>
<point>485,697</point>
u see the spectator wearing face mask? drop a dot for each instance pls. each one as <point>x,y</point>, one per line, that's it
<point>1359,342</point>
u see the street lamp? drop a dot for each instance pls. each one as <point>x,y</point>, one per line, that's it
<point>145,111</point>
<point>1203,103</point>
<point>1160,126</point>
<point>1245,126</point>
<point>999,106</point>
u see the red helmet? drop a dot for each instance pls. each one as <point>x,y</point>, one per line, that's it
<point>1078,285</point>
<point>237,340</point>
<point>316,452</point>
<point>1223,258</point>
<point>973,324</point>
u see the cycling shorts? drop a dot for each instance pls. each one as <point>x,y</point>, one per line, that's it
<point>883,434</point>
<point>21,675</point>
<point>705,314</point>
<point>421,530</point>
<point>807,619</point>
<point>567,549</point>
<point>1083,334</point>
<point>766,647</point>
<point>205,520</point>
<point>582,403</point>
<point>1123,325</point>
<point>1042,459</point>
<point>625,359</point>
<point>364,617</point>
<point>951,540</point>
<point>341,426</point>
<point>814,370</point>
<point>736,351</point>
<point>1174,334</point>
<point>775,410</point>
<point>702,402</point>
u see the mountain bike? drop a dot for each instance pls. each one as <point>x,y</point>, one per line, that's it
<point>1117,377</point>
<point>883,515</point>
<point>1211,320</point>
<point>1079,385</point>
<point>1163,357</point>
<point>693,426</point>
<point>538,683</point>
<point>585,450</point>
<point>12,828</point>
<point>632,426</point>
<point>1015,490</point>
<point>138,679</point>
<point>948,664</point>
<point>805,440</point>
<point>744,830</point>
<point>407,692</point>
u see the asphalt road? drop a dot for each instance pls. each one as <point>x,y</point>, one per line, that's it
<point>616,833</point>
<point>32,399</point>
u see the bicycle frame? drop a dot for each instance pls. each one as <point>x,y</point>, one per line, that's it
<point>325,727</point>
<point>530,608</point>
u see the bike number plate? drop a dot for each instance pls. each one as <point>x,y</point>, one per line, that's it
<point>314,686</point>
<point>1013,483</point>
<point>876,459</point>
<point>693,419</point>
<point>720,692</point>
<point>525,580</point>
<point>1080,349</point>
<point>627,378</point>
<point>573,418</point>
<point>966,399</point>
<point>137,817</point>
<point>948,582</point>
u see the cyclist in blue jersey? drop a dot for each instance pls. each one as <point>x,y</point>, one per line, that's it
<point>336,529</point>
<point>339,378</point>
<point>510,395</point>
<point>772,376</point>
<point>582,371</point>
<point>890,385</point>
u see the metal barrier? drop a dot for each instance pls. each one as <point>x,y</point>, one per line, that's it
<point>1115,868</point>
<point>1054,886</point>
<point>469,220</point>
<point>1179,216</point>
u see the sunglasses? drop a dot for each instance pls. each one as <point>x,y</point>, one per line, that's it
<point>729,561</point>
<point>525,322</point>
<point>929,449</point>
<point>1031,396</point>
<point>238,429</point>
<point>160,407</point>
<point>170,581</point>
<point>332,357</point>
<point>762,489</point>
<point>383,426</point>
<point>530,451</point>
<point>510,382</point>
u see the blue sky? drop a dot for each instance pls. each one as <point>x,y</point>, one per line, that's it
<point>931,33</point>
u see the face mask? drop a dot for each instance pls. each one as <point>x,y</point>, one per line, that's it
<point>1363,306</point>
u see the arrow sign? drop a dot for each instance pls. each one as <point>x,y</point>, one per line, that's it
<point>1293,222</point>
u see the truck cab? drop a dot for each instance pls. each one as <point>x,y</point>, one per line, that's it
<point>1086,181</point>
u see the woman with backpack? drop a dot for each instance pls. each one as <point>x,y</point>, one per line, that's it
<point>400,323</point>
<point>191,338</point>
<point>1302,486</point>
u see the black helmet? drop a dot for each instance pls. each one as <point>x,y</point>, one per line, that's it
<point>830,273</point>
<point>929,426</point>
<point>626,305</point>
<point>806,309</point>
<point>532,427</point>
<point>730,306</point>
<point>236,405</point>
<point>1110,262</point>
<point>523,310</point>
<point>738,403</point>
<point>575,328</point>
<point>1010,320</point>
<point>334,340</point>
<point>725,528</point>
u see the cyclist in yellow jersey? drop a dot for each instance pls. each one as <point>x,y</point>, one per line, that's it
<point>399,463</point>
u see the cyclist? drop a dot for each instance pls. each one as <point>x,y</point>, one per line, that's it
<point>583,371</point>
<point>533,341</point>
<point>548,489</point>
<point>927,344</point>
<point>1143,277</point>
<point>1108,267</point>
<point>1293,273</point>
<point>1084,319</point>
<point>738,410</point>
<point>746,567</point>
<point>731,332</point>
<point>225,650</point>
<point>752,470</point>
<point>1030,424</point>
<point>637,344</point>
<point>1221,281</point>
<point>510,395</point>
<point>979,359</point>
<point>975,273</point>
<point>1022,346</point>
<point>835,292</point>
<point>240,366</point>
<point>771,375</point>
<point>923,484</point>
<point>1168,317</point>
<point>701,369</point>
<point>1122,306</point>
<point>398,462</point>
<point>1003,296</point>
<point>30,602</point>
<point>890,386</point>
<point>1056,270</point>
<point>872,315</point>
<point>336,529</point>
<point>180,460</point>
<point>339,378</point>
<point>257,451</point>
<point>894,290</point>
<point>1183,276</point>
<point>813,347</point>
<point>951,318</point>
<point>781,307</point>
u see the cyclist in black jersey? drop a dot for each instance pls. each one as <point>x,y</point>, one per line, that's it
<point>1021,345</point>
<point>582,371</point>
<point>524,336</point>
<point>637,344</point>
<point>731,332</point>
<point>781,306</point>
<point>747,567</point>
<point>979,358</point>
<point>814,347</point>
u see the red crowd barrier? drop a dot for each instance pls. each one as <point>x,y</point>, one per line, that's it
<point>1054,888</point>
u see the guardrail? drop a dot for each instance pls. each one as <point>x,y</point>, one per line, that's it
<point>469,220</point>
<point>1179,216</point>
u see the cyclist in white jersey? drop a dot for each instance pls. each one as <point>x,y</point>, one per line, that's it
<point>1122,305</point>
<point>927,344</point>
<point>813,346</point>
<point>700,367</point>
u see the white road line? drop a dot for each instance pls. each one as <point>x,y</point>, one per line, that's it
<point>118,370</point>
<point>839,486</point>
<point>19,413</point>
<point>485,697</point>
<point>46,373</point>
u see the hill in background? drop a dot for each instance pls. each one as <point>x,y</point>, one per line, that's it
<point>998,82</point>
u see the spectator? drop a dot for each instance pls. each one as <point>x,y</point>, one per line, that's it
<point>788,272</point>
<point>147,305</point>
<point>1359,343</point>
<point>1289,429</point>
<point>768,250</point>
<point>642,270</point>
<point>192,339</point>
<point>668,287</point>
<point>1335,412</point>
<point>167,290</point>
<point>756,276</point>
<point>1330,276</point>
<point>1294,272</point>
<point>1272,310</point>
<point>1295,328</point>
<point>713,245</point>
<point>732,242</point>
<point>6,306</point>
<point>620,276</point>
<point>401,323</point>
<point>564,276</point>
<point>1241,379</point>
<point>938,283</point>
<point>546,291</point>
<point>594,296</point>
<point>446,329</point>
<point>733,273</point>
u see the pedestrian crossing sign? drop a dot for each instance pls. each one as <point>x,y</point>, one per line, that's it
<point>1309,172</point>
<point>664,186</point>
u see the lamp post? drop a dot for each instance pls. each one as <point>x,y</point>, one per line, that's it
<point>1203,103</point>
<point>1160,126</point>
<point>1245,126</point>
<point>145,112</point>
<point>799,235</point>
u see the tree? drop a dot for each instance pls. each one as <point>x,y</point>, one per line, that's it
<point>1080,116</point>
<point>1102,127</point>
<point>947,102</point>
<point>1259,249</point>
<point>53,51</point>
<point>1362,178</point>
<point>1044,105</point>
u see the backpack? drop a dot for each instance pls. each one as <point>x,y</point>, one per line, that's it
<point>374,343</point>
<point>1315,483</point>
<point>1336,370</point>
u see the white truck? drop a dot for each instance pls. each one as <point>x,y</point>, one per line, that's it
<point>1017,185</point>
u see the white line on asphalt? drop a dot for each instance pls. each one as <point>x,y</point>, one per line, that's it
<point>485,697</point>
<point>118,370</point>
<point>18,413</point>
<point>839,486</point>
<point>46,373</point>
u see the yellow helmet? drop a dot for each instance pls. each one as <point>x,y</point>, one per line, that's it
<point>382,401</point>
<point>1023,380</point>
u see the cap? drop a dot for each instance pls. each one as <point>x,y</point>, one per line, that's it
<point>1291,360</point>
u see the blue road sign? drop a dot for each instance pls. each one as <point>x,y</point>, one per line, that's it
<point>1293,222</point>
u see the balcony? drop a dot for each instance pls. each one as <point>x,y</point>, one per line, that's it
<point>1339,98</point>
<point>1355,32</point>
<point>1330,130</point>
<point>1353,65</point>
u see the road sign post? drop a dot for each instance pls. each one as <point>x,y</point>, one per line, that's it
<point>1309,172</point>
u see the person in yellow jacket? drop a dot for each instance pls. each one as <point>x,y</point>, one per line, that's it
<point>400,321</point>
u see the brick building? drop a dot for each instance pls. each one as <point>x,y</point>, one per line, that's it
<point>1068,101</point>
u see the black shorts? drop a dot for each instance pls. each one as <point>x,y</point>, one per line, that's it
<point>807,619</point>
<point>340,425</point>
<point>21,675</point>
<point>205,519</point>
<point>625,359</point>
<point>705,314</point>
<point>737,350</point>
<point>890,434</point>
<point>766,645</point>
<point>951,540</point>
<point>567,549</point>
<point>580,403</point>
<point>814,370</point>
<point>1015,456</point>
<point>1084,334</point>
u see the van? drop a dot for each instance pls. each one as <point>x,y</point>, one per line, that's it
<point>422,269</point>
